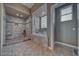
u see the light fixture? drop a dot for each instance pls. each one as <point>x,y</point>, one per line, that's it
<point>21,15</point>
<point>17,14</point>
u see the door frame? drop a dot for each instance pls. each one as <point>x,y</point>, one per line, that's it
<point>61,43</point>
<point>78,25</point>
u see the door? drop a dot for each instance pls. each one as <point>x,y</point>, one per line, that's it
<point>66,25</point>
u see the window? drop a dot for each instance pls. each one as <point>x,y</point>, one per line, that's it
<point>43,22</point>
<point>40,24</point>
<point>66,14</point>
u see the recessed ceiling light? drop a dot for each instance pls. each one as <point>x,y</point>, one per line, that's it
<point>17,14</point>
<point>21,15</point>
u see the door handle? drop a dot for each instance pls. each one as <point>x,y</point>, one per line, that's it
<point>74,29</point>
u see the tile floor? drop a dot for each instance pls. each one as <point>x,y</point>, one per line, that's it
<point>28,48</point>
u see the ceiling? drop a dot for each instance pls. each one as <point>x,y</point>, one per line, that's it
<point>23,10</point>
<point>42,11</point>
<point>29,5</point>
<point>14,12</point>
